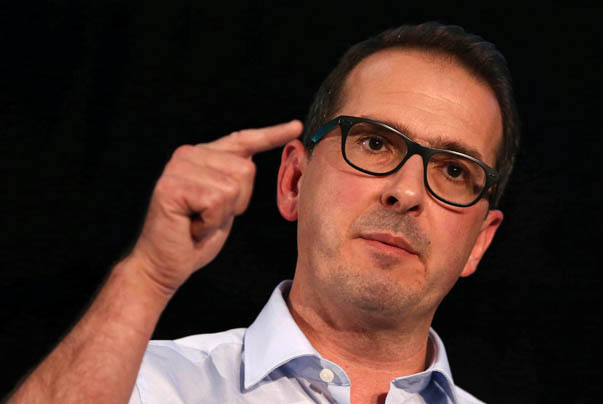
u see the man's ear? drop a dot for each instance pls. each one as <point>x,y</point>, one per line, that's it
<point>293,163</point>
<point>484,238</point>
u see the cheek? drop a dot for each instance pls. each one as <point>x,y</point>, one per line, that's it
<point>314,209</point>
<point>329,202</point>
<point>455,244</point>
<point>318,208</point>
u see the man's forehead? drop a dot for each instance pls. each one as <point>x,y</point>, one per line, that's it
<point>428,96</point>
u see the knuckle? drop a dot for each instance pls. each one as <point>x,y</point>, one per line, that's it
<point>239,138</point>
<point>183,151</point>
<point>230,188</point>
<point>236,134</point>
<point>212,200</point>
<point>241,206</point>
<point>215,209</point>
<point>165,185</point>
<point>223,198</point>
<point>248,168</point>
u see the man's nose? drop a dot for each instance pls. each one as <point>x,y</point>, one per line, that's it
<point>405,190</point>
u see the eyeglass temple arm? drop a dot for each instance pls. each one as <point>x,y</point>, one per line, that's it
<point>323,130</point>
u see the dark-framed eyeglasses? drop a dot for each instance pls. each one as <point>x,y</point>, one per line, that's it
<point>376,148</point>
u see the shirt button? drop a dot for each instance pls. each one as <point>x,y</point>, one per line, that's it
<point>327,375</point>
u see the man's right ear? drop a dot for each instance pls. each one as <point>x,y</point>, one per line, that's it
<point>293,163</point>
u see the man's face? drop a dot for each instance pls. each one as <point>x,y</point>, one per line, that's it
<point>383,245</point>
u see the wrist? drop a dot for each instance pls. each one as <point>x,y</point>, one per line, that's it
<point>143,277</point>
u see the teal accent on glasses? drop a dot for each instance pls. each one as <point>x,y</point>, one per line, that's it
<point>323,130</point>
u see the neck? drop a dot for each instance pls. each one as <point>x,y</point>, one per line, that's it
<point>373,352</point>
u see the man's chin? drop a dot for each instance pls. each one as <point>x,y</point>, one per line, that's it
<point>377,295</point>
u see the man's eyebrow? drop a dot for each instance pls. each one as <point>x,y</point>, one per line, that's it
<point>399,126</point>
<point>458,147</point>
<point>438,143</point>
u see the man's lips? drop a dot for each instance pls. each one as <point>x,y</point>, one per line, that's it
<point>390,240</point>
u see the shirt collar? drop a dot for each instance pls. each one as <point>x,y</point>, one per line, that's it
<point>437,372</point>
<point>275,339</point>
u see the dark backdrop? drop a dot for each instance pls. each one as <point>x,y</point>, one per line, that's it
<point>95,97</point>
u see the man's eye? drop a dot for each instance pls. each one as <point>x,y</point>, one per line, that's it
<point>454,170</point>
<point>374,143</point>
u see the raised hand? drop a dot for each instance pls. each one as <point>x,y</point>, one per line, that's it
<point>192,208</point>
<point>195,200</point>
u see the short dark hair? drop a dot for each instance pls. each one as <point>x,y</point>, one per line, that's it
<point>478,56</point>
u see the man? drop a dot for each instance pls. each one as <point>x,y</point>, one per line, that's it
<point>406,151</point>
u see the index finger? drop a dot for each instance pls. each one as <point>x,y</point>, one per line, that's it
<point>248,142</point>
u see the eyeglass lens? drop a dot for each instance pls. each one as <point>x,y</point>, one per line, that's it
<point>379,150</point>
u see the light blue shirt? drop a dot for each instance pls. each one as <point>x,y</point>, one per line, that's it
<point>271,362</point>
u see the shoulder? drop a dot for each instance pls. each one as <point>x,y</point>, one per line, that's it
<point>464,397</point>
<point>207,365</point>
<point>194,348</point>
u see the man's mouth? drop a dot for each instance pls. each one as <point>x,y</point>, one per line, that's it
<point>388,241</point>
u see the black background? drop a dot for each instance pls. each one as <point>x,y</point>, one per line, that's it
<point>95,98</point>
